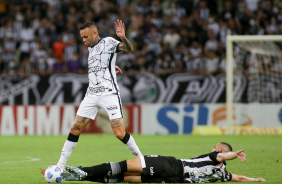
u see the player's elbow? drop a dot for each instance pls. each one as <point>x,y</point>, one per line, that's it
<point>220,157</point>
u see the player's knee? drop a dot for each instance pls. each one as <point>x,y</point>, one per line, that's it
<point>119,135</point>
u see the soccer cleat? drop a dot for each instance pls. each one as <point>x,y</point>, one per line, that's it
<point>74,174</point>
<point>70,176</point>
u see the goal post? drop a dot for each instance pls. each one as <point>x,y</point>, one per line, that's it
<point>231,39</point>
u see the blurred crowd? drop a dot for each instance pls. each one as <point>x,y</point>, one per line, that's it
<point>169,36</point>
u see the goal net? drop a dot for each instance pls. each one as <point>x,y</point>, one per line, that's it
<point>254,71</point>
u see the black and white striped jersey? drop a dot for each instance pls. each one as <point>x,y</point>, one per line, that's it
<point>205,168</point>
<point>101,67</point>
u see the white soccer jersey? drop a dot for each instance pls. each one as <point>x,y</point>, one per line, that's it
<point>205,168</point>
<point>101,67</point>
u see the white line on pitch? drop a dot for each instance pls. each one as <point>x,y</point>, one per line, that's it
<point>26,159</point>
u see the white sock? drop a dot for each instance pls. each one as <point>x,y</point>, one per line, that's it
<point>131,144</point>
<point>66,152</point>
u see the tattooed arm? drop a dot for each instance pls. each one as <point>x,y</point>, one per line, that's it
<point>125,45</point>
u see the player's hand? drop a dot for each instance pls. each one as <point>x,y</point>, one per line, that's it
<point>260,179</point>
<point>118,70</point>
<point>120,31</point>
<point>241,155</point>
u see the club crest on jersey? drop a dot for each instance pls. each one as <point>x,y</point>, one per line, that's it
<point>98,48</point>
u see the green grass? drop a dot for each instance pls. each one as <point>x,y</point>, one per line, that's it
<point>264,153</point>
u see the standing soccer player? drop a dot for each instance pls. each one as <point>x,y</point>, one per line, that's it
<point>103,90</point>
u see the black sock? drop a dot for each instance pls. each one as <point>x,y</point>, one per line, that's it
<point>73,138</point>
<point>126,138</point>
<point>97,170</point>
<point>123,166</point>
<point>105,169</point>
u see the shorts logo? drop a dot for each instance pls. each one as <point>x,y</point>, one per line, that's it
<point>151,171</point>
<point>110,108</point>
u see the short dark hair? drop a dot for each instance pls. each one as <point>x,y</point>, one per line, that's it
<point>229,147</point>
<point>87,24</point>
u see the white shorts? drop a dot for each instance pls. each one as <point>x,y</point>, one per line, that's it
<point>110,103</point>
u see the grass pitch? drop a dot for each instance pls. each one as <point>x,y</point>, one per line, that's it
<point>23,157</point>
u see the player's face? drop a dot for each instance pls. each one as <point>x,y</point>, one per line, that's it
<point>88,36</point>
<point>217,147</point>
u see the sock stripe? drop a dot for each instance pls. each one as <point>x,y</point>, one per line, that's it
<point>73,138</point>
<point>126,138</point>
<point>115,168</point>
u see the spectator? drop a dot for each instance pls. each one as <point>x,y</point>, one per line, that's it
<point>26,68</point>
<point>70,49</point>
<point>196,49</point>
<point>172,38</point>
<point>211,44</point>
<point>167,34</point>
<point>10,68</point>
<point>189,63</point>
<point>41,66</point>
<point>153,39</point>
<point>9,48</point>
<point>204,11</point>
<point>50,60</point>
<point>211,63</point>
<point>59,66</point>
<point>74,64</point>
<point>58,47</point>
<point>38,53</point>
<point>228,12</point>
<point>26,36</point>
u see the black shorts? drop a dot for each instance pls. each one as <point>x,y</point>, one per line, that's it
<point>160,169</point>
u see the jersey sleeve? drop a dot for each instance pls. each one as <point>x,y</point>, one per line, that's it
<point>111,45</point>
<point>213,156</point>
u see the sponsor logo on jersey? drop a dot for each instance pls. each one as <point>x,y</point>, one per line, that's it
<point>151,171</point>
<point>109,173</point>
<point>96,90</point>
<point>110,108</point>
<point>94,69</point>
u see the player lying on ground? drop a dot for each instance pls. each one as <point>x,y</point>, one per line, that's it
<point>209,167</point>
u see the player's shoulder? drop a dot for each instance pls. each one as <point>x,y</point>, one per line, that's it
<point>110,39</point>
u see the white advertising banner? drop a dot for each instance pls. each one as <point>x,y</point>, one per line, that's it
<point>145,119</point>
<point>56,120</point>
<point>183,118</point>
